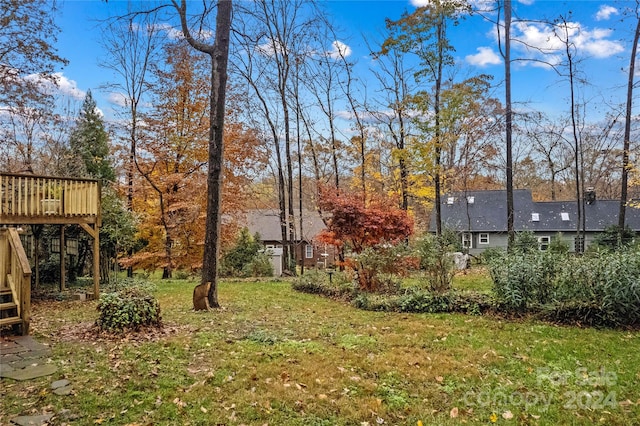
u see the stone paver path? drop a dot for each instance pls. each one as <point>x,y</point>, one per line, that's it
<point>23,358</point>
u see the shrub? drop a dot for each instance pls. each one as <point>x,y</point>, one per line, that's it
<point>490,254</point>
<point>379,267</point>
<point>128,309</point>
<point>599,288</point>
<point>317,282</point>
<point>525,242</point>
<point>259,266</point>
<point>237,261</point>
<point>614,238</point>
<point>558,245</point>
<point>436,260</point>
<point>524,279</point>
<point>417,300</point>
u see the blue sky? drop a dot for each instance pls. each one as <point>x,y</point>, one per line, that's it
<point>603,44</point>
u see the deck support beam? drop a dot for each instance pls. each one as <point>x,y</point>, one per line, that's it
<point>95,234</point>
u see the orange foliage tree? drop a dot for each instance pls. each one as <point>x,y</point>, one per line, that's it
<point>357,226</point>
<point>172,163</point>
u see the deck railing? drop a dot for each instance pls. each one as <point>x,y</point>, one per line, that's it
<point>29,196</point>
<point>15,273</point>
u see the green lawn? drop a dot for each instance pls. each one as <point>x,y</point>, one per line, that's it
<point>278,357</point>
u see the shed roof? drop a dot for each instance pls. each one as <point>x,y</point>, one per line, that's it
<point>267,223</point>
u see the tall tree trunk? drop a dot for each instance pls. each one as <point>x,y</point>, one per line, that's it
<point>627,129</point>
<point>219,53</point>
<point>509,121</point>
<point>578,154</point>
<point>436,107</point>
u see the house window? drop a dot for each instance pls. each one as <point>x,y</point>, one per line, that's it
<point>55,245</point>
<point>72,247</point>
<point>543,243</point>
<point>308,251</point>
<point>483,238</point>
<point>564,216</point>
<point>535,217</point>
<point>466,240</point>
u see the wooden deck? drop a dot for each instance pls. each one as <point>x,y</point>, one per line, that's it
<point>40,200</point>
<point>28,199</point>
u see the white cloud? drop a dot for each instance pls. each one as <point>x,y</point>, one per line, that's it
<point>605,12</point>
<point>339,50</point>
<point>485,56</point>
<point>117,98</point>
<point>62,86</point>
<point>539,41</point>
<point>269,48</point>
<point>174,33</point>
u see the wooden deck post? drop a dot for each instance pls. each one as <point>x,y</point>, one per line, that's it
<point>63,255</point>
<point>96,265</point>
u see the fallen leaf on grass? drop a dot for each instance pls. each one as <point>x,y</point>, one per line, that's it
<point>454,412</point>
<point>507,415</point>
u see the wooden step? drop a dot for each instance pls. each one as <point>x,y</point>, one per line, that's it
<point>7,306</point>
<point>10,321</point>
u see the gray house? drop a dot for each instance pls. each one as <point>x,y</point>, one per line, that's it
<point>312,253</point>
<point>480,218</point>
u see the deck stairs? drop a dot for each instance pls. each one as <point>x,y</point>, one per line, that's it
<point>15,283</point>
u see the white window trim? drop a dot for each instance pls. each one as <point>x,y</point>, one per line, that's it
<point>483,236</point>
<point>467,237</point>
<point>308,254</point>
<point>544,240</point>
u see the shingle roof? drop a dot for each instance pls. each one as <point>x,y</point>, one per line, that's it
<point>486,211</point>
<point>267,223</point>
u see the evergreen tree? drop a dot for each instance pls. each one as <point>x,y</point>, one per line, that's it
<point>89,143</point>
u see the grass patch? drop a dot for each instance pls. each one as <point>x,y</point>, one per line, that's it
<point>276,356</point>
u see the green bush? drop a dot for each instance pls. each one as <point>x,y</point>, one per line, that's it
<point>237,261</point>
<point>379,268</point>
<point>128,309</point>
<point>599,288</point>
<point>318,282</point>
<point>525,242</point>
<point>524,279</point>
<point>417,300</point>
<point>558,245</point>
<point>491,253</point>
<point>436,260</point>
<point>614,238</point>
<point>258,266</point>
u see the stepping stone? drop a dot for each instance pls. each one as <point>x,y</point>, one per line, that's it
<point>38,353</point>
<point>59,384</point>
<point>5,368</point>
<point>29,343</point>
<point>24,363</point>
<point>32,420</point>
<point>5,359</point>
<point>29,373</point>
<point>64,390</point>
